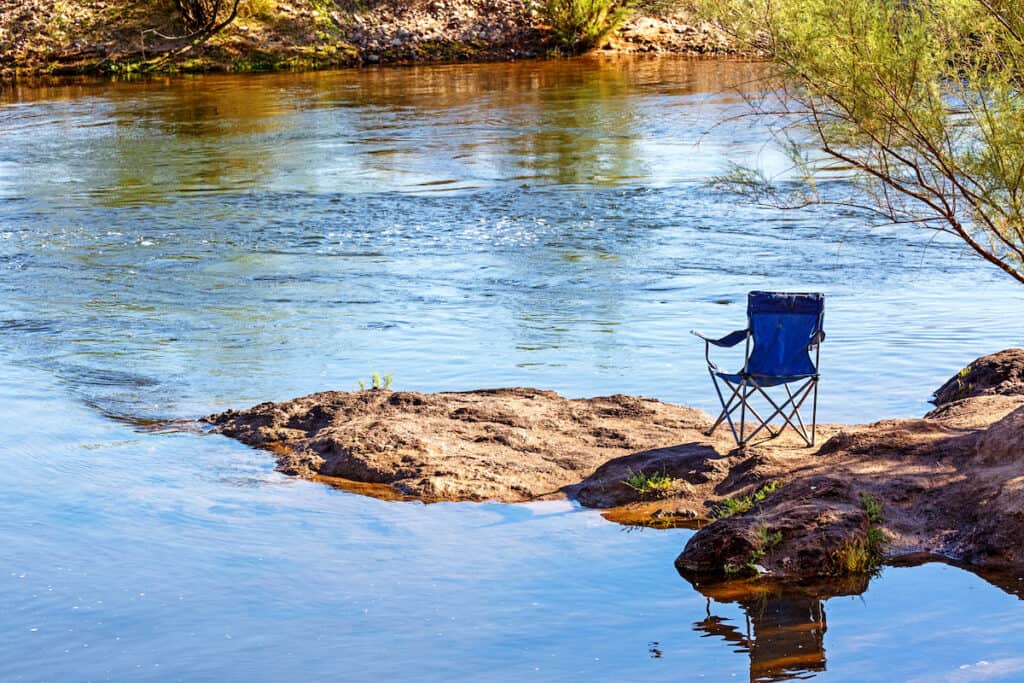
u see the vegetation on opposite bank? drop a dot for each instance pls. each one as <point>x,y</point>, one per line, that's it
<point>118,36</point>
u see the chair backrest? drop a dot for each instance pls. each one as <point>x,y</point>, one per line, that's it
<point>782,326</point>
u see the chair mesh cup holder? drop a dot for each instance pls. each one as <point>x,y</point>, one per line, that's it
<point>783,347</point>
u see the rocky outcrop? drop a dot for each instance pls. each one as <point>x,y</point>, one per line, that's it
<point>503,444</point>
<point>1000,374</point>
<point>948,485</point>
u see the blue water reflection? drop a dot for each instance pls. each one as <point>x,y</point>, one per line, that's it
<point>168,249</point>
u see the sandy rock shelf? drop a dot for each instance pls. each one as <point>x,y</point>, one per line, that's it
<point>950,484</point>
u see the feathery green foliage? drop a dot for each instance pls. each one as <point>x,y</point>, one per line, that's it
<point>580,24</point>
<point>921,102</point>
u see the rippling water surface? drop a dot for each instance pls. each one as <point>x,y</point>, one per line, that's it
<point>172,248</point>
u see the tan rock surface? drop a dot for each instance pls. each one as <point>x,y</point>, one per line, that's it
<point>502,444</point>
<point>950,484</point>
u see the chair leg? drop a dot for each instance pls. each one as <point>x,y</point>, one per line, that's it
<point>798,418</point>
<point>742,392</point>
<point>761,422</point>
<point>743,413</point>
<point>814,412</point>
<point>796,400</point>
<point>727,406</point>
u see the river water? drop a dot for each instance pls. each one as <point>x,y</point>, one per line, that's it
<point>175,247</point>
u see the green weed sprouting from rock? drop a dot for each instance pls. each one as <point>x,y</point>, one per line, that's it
<point>767,541</point>
<point>644,484</point>
<point>580,24</point>
<point>962,384</point>
<point>378,382</point>
<point>737,506</point>
<point>872,507</point>
<point>863,555</point>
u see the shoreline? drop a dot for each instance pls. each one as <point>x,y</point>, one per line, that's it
<point>949,484</point>
<point>39,39</point>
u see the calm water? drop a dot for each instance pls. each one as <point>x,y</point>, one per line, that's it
<point>168,249</point>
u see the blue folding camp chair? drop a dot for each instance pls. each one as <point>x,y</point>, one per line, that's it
<point>782,330</point>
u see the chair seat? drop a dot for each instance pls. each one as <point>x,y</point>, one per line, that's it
<point>761,380</point>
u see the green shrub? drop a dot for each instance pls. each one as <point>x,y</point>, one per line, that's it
<point>580,24</point>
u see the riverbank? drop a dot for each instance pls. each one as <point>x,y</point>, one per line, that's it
<point>119,37</point>
<point>950,484</point>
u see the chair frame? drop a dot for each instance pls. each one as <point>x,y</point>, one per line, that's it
<point>748,386</point>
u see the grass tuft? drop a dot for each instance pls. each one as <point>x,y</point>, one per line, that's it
<point>767,541</point>
<point>646,484</point>
<point>737,506</point>
<point>863,555</point>
<point>378,382</point>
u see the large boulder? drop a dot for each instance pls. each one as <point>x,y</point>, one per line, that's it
<point>1000,374</point>
<point>806,529</point>
<point>511,445</point>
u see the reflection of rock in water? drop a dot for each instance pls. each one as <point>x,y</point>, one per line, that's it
<point>784,633</point>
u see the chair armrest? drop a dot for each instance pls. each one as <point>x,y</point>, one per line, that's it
<point>731,339</point>
<point>818,337</point>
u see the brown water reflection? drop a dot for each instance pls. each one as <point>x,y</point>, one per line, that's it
<point>417,129</point>
<point>784,631</point>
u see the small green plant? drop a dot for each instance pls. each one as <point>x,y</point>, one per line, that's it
<point>579,24</point>
<point>378,382</point>
<point>767,541</point>
<point>644,484</point>
<point>863,555</point>
<point>854,558</point>
<point>737,506</point>
<point>872,507</point>
<point>962,384</point>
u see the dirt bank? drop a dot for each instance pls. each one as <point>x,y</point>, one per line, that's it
<point>118,36</point>
<point>950,484</point>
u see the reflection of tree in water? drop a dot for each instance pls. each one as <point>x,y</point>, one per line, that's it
<point>784,630</point>
<point>195,135</point>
